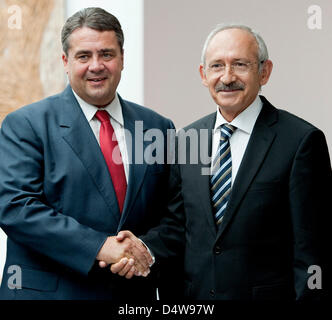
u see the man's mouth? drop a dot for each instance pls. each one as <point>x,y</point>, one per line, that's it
<point>229,90</point>
<point>96,80</point>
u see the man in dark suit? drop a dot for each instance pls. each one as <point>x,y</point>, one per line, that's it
<point>66,190</point>
<point>250,223</point>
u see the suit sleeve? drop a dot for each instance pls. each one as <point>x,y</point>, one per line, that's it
<point>167,239</point>
<point>25,214</point>
<point>310,204</point>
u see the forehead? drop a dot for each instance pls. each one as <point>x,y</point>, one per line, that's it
<point>90,39</point>
<point>232,44</point>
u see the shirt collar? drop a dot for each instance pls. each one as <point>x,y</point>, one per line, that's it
<point>245,121</point>
<point>114,109</point>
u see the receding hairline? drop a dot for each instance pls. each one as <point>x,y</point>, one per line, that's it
<point>262,51</point>
<point>94,18</point>
<point>238,29</point>
<point>87,27</point>
<point>253,39</point>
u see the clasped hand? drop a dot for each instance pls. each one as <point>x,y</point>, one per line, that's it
<point>126,254</point>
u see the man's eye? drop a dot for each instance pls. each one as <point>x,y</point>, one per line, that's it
<point>217,66</point>
<point>107,55</point>
<point>83,57</point>
<point>240,64</point>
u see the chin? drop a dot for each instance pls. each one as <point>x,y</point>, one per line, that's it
<point>227,104</point>
<point>97,95</point>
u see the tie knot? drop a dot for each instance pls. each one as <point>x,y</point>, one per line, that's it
<point>226,131</point>
<point>102,116</point>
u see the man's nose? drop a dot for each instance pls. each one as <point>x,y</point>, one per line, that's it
<point>96,65</point>
<point>228,76</point>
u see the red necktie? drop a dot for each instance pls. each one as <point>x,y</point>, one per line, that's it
<point>112,155</point>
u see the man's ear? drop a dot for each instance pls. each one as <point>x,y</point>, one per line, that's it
<point>65,61</point>
<point>266,72</point>
<point>203,75</point>
<point>122,59</point>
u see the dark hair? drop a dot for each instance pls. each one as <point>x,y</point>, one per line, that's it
<point>94,18</point>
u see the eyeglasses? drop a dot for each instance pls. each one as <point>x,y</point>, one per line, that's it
<point>237,67</point>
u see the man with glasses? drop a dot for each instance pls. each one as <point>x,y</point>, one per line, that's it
<point>251,223</point>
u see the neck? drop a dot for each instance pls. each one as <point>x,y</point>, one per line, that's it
<point>229,115</point>
<point>102,106</point>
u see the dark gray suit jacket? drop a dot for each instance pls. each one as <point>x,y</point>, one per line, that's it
<point>274,227</point>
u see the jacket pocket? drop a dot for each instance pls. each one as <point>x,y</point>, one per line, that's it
<point>277,291</point>
<point>39,280</point>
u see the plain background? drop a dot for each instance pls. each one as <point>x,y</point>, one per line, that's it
<point>163,42</point>
<point>176,30</point>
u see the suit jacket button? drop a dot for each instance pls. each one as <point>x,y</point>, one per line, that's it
<point>217,250</point>
<point>212,293</point>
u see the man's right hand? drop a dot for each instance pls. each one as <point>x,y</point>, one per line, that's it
<point>127,253</point>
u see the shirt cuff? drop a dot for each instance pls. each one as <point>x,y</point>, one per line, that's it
<point>151,254</point>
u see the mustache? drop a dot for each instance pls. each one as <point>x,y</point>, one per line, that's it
<point>227,87</point>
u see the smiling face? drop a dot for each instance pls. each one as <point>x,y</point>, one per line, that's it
<point>94,65</point>
<point>235,52</point>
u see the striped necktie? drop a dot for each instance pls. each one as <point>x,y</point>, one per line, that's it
<point>222,173</point>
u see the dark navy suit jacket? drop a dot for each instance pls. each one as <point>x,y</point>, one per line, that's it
<point>58,204</point>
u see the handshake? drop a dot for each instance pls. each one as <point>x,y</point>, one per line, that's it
<point>126,255</point>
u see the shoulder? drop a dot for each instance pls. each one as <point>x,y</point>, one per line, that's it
<point>291,132</point>
<point>36,110</point>
<point>206,122</point>
<point>287,122</point>
<point>298,131</point>
<point>292,120</point>
<point>36,118</point>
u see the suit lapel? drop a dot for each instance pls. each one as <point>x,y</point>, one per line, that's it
<point>258,146</point>
<point>136,145</point>
<point>77,132</point>
<point>201,172</point>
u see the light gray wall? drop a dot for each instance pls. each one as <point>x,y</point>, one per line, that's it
<point>176,30</point>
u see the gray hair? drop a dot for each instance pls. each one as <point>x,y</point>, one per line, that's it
<point>263,54</point>
<point>94,18</point>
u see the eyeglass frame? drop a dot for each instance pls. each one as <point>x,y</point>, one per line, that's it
<point>233,67</point>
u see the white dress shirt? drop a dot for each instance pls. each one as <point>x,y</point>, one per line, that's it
<point>114,109</point>
<point>244,123</point>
